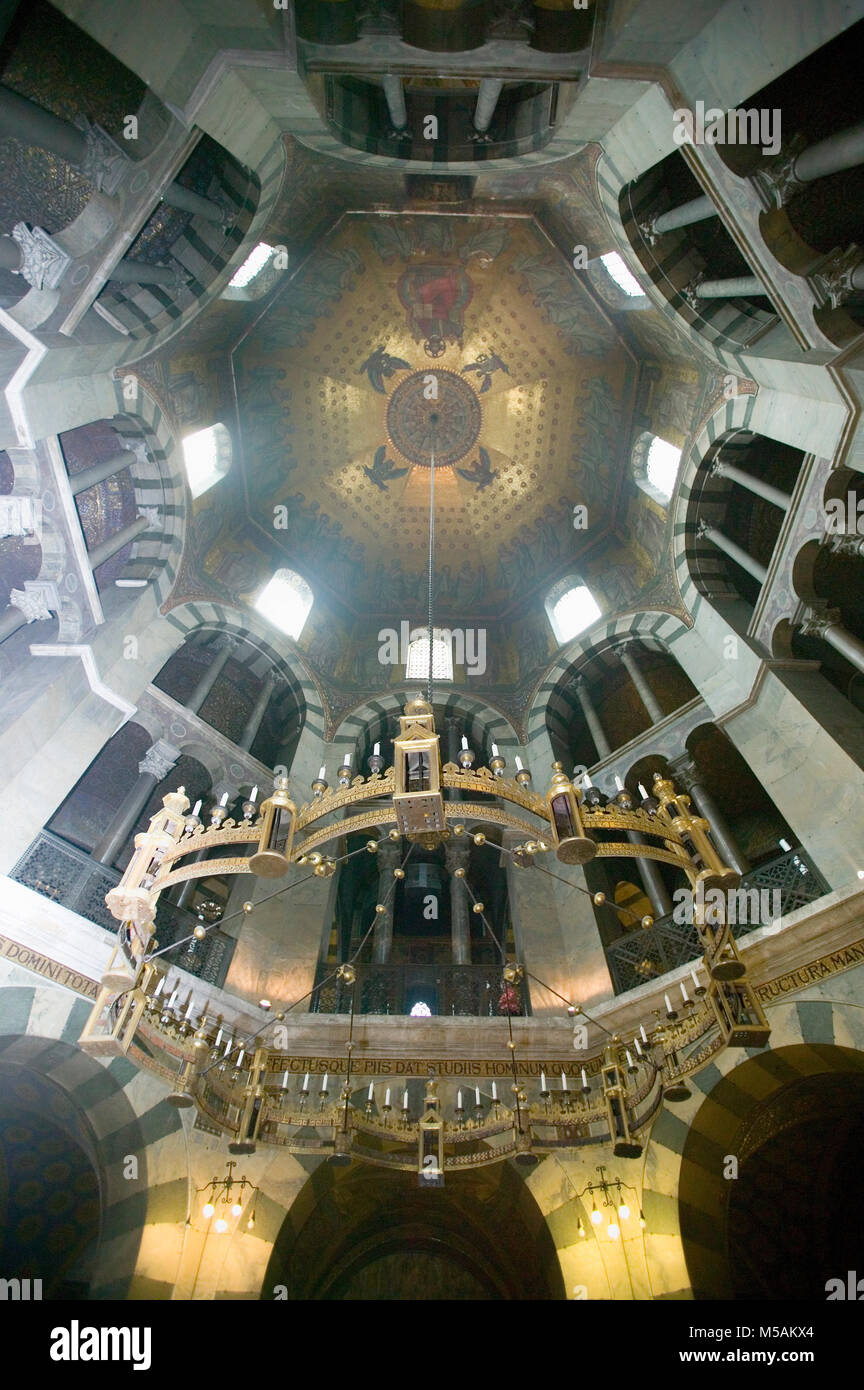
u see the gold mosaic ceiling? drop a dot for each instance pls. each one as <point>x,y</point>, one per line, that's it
<point>534,403</point>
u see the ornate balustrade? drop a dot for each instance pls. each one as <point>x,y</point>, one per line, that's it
<point>70,877</point>
<point>471,991</point>
<point>647,954</point>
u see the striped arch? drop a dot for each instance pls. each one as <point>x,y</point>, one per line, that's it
<point>732,414</point>
<point>274,651</point>
<point>159,481</point>
<point>663,628</point>
<point>483,722</point>
<point>121,1107</point>
<point>689,1141</point>
<point>154,315</point>
<point>721,328</point>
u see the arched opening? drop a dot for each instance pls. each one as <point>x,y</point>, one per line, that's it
<point>365,1233</point>
<point>50,1197</point>
<point>690,257</point>
<point>737,508</point>
<point>611,697</point>
<point>790,1220</point>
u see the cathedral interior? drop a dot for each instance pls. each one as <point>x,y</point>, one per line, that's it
<point>432,475</point>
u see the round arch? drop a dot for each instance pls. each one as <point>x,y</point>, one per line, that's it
<point>663,628</point>
<point>389,705</point>
<point>685,1190</point>
<point>363,1231</point>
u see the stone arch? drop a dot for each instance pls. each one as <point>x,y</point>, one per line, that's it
<point>683,1161</point>
<point>664,628</point>
<point>347,1220</point>
<point>154,324</point>
<point>735,413</point>
<point>274,650</point>
<point>158,478</point>
<point>119,1107</point>
<point>485,720</point>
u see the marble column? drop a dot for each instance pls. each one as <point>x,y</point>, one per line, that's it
<point>456,856</point>
<point>721,469</point>
<point>688,777</point>
<point>256,718</point>
<point>643,689</point>
<point>395,94</point>
<point>89,148</point>
<point>733,550</point>
<point>141,273</point>
<point>487,99</point>
<point>652,880</point>
<point>389,856</point>
<point>98,472</point>
<point>697,210</point>
<point>112,544</point>
<point>843,150</point>
<point>825,623</point>
<point>592,719</point>
<point>36,602</point>
<point>729,288</point>
<point>157,762</point>
<point>211,675</point>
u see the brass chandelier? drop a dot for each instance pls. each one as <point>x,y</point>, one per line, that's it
<point>240,1083</point>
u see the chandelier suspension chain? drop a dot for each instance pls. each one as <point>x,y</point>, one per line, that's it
<point>431,562</point>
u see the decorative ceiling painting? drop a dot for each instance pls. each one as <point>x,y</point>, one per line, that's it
<point>409,339</point>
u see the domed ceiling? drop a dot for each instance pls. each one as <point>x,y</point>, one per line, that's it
<point>545,376</point>
<point>406,339</point>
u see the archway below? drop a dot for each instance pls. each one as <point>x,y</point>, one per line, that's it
<point>368,1233</point>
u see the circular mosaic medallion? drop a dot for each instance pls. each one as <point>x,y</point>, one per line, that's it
<point>448,427</point>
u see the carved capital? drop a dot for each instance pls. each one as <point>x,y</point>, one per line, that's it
<point>833,281</point>
<point>104,162</point>
<point>159,759</point>
<point>43,262</point>
<point>777,184</point>
<point>845,545</point>
<point>151,515</point>
<point>689,295</point>
<point>21,516</point>
<point>37,600</point>
<point>817,619</point>
<point>648,232</point>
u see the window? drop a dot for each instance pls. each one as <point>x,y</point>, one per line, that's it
<point>618,271</point>
<point>417,666</point>
<point>285,601</point>
<point>574,611</point>
<point>420,1010</point>
<point>655,466</point>
<point>252,266</point>
<point>661,466</point>
<point>207,457</point>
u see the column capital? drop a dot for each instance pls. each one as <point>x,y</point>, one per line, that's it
<point>104,162</point>
<point>456,855</point>
<point>833,279</point>
<point>389,853</point>
<point>159,759</point>
<point>817,618</point>
<point>37,600</point>
<point>684,771</point>
<point>43,262</point>
<point>152,517</point>
<point>777,183</point>
<point>845,544</point>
